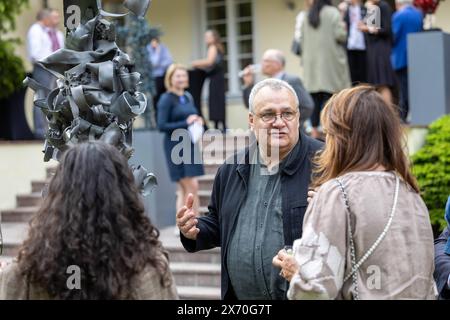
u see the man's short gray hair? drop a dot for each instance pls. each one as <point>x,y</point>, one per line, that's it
<point>274,84</point>
<point>277,55</point>
<point>43,13</point>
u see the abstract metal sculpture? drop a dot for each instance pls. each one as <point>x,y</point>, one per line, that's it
<point>95,94</point>
<point>135,36</point>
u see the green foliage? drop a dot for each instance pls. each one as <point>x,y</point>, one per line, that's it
<point>9,9</point>
<point>432,169</point>
<point>12,71</point>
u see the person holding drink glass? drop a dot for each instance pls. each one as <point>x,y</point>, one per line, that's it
<point>258,199</point>
<point>367,233</point>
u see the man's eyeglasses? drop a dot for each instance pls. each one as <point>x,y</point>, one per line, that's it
<point>271,117</point>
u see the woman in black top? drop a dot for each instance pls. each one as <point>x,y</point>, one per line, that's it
<point>379,44</point>
<point>213,66</point>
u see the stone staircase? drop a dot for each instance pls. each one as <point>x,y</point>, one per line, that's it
<point>197,275</point>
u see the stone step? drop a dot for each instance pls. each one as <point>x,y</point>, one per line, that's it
<point>10,249</point>
<point>179,254</point>
<point>206,182</point>
<point>204,196</point>
<point>196,274</point>
<point>198,293</point>
<point>14,233</point>
<point>217,157</point>
<point>29,200</point>
<point>6,259</point>
<point>169,236</point>
<point>39,185</point>
<point>211,168</point>
<point>22,214</point>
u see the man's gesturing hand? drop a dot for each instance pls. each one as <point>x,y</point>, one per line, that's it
<point>186,219</point>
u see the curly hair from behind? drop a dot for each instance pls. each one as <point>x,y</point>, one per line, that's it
<point>92,217</point>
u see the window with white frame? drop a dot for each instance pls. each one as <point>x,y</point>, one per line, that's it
<point>233,19</point>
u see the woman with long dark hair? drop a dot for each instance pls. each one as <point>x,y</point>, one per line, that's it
<point>324,57</point>
<point>212,65</point>
<point>91,238</point>
<point>367,232</point>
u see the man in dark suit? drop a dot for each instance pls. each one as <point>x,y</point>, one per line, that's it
<point>259,198</point>
<point>272,66</point>
<point>442,258</point>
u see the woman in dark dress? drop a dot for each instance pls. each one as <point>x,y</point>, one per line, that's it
<point>213,67</point>
<point>379,44</point>
<point>176,110</point>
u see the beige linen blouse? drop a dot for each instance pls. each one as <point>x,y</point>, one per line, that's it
<point>401,267</point>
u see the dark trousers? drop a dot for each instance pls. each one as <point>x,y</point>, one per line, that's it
<point>402,76</point>
<point>357,62</point>
<point>13,123</point>
<point>197,78</point>
<point>160,88</point>
<point>40,120</point>
<point>320,98</point>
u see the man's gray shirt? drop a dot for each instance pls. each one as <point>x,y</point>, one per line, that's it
<point>257,238</point>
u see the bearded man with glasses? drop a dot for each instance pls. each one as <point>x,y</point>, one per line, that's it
<point>259,197</point>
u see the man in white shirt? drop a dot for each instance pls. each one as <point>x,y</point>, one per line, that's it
<point>43,39</point>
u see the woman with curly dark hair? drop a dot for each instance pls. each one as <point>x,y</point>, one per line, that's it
<point>91,221</point>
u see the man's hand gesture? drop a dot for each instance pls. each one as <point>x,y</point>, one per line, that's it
<point>187,219</point>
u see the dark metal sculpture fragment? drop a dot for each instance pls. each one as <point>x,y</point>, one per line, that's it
<point>89,89</point>
<point>135,36</point>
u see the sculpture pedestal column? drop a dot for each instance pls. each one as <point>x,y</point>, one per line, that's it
<point>160,204</point>
<point>428,76</point>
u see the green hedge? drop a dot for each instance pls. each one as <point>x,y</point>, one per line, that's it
<point>9,10</point>
<point>432,169</point>
<point>12,71</point>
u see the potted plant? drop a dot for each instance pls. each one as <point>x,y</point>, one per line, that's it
<point>12,73</point>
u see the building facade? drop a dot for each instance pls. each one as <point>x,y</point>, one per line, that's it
<point>248,28</point>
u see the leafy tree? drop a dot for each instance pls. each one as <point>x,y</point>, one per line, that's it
<point>12,70</point>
